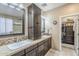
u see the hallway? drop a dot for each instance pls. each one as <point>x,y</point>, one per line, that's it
<point>64,52</point>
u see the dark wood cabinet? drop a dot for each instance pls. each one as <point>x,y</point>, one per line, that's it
<point>39,49</point>
<point>34,22</point>
<point>32,52</point>
<point>43,47</point>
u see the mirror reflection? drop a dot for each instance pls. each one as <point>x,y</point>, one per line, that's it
<point>11,19</point>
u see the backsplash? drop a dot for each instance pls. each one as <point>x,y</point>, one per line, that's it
<point>9,40</point>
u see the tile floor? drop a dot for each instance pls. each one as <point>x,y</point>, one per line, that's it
<point>68,46</point>
<point>65,52</point>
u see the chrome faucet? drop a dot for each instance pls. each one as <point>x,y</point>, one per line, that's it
<point>48,31</point>
<point>16,39</point>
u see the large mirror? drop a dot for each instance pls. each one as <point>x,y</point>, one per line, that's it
<point>11,19</point>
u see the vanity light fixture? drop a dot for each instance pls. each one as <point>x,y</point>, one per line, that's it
<point>21,6</point>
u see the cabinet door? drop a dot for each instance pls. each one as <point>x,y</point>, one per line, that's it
<point>37,22</point>
<point>30,23</point>
<point>32,52</point>
<point>46,46</point>
<point>40,51</point>
<point>34,16</point>
<point>49,43</point>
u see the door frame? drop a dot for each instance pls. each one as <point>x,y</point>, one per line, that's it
<point>76,36</point>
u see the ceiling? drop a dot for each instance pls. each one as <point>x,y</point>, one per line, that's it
<point>47,6</point>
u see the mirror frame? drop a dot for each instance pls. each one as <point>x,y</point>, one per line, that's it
<point>23,28</point>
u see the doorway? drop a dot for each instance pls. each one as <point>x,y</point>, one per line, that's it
<point>69,32</point>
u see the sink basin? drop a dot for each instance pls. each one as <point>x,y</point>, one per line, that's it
<point>19,44</point>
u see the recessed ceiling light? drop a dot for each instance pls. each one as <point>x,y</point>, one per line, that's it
<point>21,6</point>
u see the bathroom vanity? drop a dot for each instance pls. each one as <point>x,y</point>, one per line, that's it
<point>36,48</point>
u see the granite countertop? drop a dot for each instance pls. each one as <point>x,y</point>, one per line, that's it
<point>5,51</point>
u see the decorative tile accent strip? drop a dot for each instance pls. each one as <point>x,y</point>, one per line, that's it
<point>10,40</point>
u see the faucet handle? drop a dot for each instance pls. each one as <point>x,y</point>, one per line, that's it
<point>15,39</point>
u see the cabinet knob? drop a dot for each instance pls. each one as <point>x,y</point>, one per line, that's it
<point>37,23</point>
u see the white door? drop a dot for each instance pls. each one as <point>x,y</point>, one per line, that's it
<point>65,19</point>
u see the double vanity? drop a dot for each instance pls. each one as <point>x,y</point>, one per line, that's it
<point>27,47</point>
<point>36,44</point>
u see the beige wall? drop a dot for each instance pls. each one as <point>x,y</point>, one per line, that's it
<point>54,15</point>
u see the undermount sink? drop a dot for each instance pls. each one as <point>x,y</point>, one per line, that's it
<point>19,44</point>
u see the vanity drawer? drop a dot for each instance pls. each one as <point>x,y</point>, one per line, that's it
<point>40,43</point>
<point>32,52</point>
<point>21,53</point>
<point>31,48</point>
